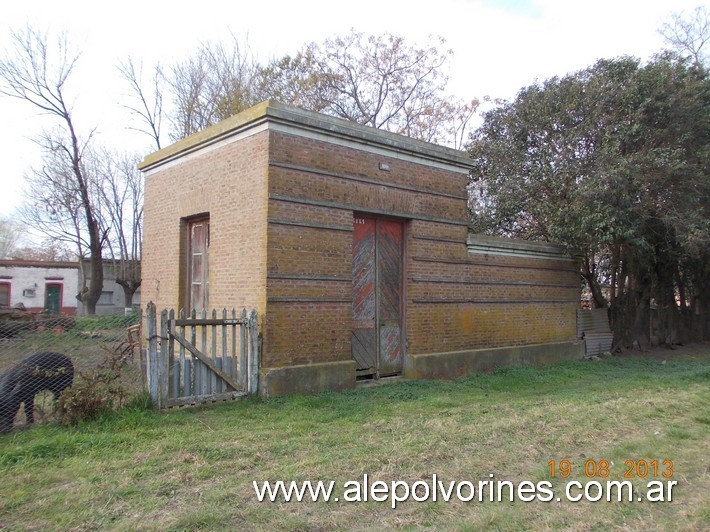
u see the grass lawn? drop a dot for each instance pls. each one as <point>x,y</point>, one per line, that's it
<point>193,468</point>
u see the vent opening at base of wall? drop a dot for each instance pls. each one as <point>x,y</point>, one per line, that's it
<point>372,376</point>
<point>366,383</point>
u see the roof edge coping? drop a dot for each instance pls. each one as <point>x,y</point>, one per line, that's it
<point>271,110</point>
<point>500,244</point>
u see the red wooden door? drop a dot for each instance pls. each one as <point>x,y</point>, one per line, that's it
<point>377,296</point>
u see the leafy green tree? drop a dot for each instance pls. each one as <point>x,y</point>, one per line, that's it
<point>613,162</point>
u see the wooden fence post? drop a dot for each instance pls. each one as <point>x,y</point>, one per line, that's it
<point>175,367</point>
<point>152,338</point>
<point>253,352</point>
<point>163,360</point>
<point>243,369</point>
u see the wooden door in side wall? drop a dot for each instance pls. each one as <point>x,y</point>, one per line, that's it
<point>377,296</point>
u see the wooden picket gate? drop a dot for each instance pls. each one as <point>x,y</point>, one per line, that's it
<point>201,358</point>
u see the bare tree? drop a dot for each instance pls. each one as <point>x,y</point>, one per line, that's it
<point>293,80</point>
<point>10,237</point>
<point>213,84</point>
<point>688,34</point>
<point>147,103</point>
<point>46,250</point>
<point>37,74</point>
<point>459,122</point>
<point>52,204</point>
<point>121,198</point>
<point>379,81</point>
<point>446,122</point>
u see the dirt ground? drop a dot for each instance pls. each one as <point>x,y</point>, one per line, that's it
<point>695,351</point>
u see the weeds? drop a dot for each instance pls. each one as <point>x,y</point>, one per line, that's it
<point>95,392</point>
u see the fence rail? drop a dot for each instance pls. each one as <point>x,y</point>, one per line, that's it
<point>201,358</point>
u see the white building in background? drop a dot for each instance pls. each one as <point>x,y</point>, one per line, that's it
<point>40,286</point>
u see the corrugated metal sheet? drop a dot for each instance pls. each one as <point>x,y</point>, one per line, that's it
<point>593,327</point>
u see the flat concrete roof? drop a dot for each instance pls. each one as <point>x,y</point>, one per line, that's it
<point>275,112</point>
<point>13,263</point>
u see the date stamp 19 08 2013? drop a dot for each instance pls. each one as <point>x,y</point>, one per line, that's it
<point>602,468</point>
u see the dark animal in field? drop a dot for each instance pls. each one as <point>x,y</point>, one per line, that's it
<point>41,371</point>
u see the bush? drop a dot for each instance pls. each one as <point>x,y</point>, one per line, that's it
<point>88,398</point>
<point>94,393</point>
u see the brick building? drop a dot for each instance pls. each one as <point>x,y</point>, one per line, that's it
<point>352,244</point>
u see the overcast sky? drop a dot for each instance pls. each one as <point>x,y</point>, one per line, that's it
<point>499,46</point>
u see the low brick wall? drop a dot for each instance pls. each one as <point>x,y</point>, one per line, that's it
<point>489,292</point>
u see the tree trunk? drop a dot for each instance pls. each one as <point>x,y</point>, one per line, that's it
<point>598,299</point>
<point>700,301</point>
<point>620,322</point>
<point>641,307</point>
<point>642,320</point>
<point>91,294</point>
<point>96,283</point>
<point>614,269</point>
<point>129,289</point>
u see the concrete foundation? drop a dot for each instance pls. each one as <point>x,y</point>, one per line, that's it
<point>310,378</point>
<point>470,362</point>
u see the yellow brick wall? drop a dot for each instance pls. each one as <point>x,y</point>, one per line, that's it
<point>454,300</point>
<point>229,183</point>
